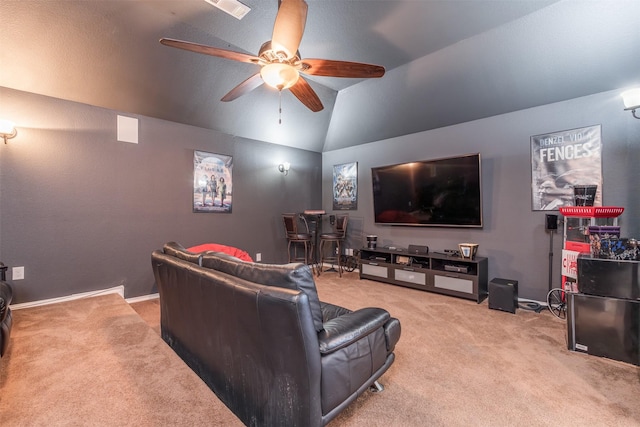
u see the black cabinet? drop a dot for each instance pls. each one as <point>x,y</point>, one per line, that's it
<point>603,318</point>
<point>449,275</point>
<point>604,326</point>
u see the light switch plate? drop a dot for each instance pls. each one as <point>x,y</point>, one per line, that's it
<point>17,273</point>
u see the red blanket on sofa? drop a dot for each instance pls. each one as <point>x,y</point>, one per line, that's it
<point>238,253</point>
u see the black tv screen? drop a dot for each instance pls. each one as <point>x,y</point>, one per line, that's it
<point>442,192</point>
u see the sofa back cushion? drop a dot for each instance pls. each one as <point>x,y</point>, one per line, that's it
<point>178,251</point>
<point>291,276</point>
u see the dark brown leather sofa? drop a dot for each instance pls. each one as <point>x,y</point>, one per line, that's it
<point>6,294</point>
<point>262,341</point>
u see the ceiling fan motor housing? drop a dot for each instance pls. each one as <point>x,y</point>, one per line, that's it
<point>269,55</point>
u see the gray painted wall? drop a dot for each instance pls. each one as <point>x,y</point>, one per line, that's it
<point>81,211</point>
<point>513,237</point>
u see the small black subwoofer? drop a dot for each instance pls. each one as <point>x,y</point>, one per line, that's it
<point>503,295</point>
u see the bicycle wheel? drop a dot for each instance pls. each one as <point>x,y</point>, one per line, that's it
<point>556,303</point>
<point>351,264</point>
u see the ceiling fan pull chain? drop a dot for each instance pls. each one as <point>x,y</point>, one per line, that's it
<point>279,106</point>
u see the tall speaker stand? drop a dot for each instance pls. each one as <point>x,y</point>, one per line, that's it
<point>551,259</point>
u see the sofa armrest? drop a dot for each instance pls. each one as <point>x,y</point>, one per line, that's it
<point>331,311</point>
<point>392,332</point>
<point>6,295</point>
<point>350,327</point>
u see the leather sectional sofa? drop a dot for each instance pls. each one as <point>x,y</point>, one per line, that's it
<point>259,337</point>
<point>6,294</point>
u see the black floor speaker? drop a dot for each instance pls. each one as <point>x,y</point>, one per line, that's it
<point>503,295</point>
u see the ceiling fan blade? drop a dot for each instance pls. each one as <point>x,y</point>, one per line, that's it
<point>289,26</point>
<point>245,87</point>
<point>330,68</point>
<point>303,91</point>
<point>209,50</point>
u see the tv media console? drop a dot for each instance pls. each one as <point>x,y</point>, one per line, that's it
<point>444,274</point>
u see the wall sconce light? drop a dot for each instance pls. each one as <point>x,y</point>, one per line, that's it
<point>631,99</point>
<point>7,130</point>
<point>284,168</point>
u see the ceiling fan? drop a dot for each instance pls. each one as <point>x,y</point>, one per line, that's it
<point>280,60</point>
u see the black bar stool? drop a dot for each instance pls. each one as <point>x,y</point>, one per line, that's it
<point>334,240</point>
<point>297,237</point>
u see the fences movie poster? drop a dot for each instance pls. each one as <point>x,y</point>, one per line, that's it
<point>561,160</point>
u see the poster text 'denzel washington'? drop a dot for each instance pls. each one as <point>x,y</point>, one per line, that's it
<point>561,160</point>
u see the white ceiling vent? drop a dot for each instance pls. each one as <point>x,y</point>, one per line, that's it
<point>232,7</point>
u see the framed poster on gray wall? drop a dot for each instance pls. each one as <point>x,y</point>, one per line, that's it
<point>561,161</point>
<point>212,182</point>
<point>345,186</point>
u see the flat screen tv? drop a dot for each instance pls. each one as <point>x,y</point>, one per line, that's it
<point>441,192</point>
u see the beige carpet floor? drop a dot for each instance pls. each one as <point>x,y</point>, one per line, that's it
<point>458,363</point>
<point>95,362</point>
<point>462,364</point>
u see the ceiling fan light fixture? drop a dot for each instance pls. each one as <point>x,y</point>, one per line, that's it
<point>279,75</point>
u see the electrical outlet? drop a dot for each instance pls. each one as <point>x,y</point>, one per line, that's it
<point>258,257</point>
<point>17,273</point>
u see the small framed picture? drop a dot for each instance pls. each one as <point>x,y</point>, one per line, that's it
<point>345,186</point>
<point>212,182</point>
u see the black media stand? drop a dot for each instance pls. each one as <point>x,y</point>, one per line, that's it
<point>449,275</point>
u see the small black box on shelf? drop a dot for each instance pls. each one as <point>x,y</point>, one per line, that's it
<point>418,249</point>
<point>503,295</point>
<point>456,268</point>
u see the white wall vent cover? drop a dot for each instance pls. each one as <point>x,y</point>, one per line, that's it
<point>232,7</point>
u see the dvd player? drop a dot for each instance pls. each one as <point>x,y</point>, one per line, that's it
<point>457,268</point>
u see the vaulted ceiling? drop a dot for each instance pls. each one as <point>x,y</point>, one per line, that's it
<point>446,61</point>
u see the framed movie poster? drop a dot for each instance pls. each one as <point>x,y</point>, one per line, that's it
<point>212,182</point>
<point>562,160</point>
<point>345,186</point>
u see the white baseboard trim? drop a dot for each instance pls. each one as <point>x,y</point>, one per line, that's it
<point>142,298</point>
<point>115,290</point>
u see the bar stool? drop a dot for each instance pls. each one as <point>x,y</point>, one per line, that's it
<point>297,237</point>
<point>334,239</point>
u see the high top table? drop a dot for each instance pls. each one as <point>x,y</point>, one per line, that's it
<point>315,217</point>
